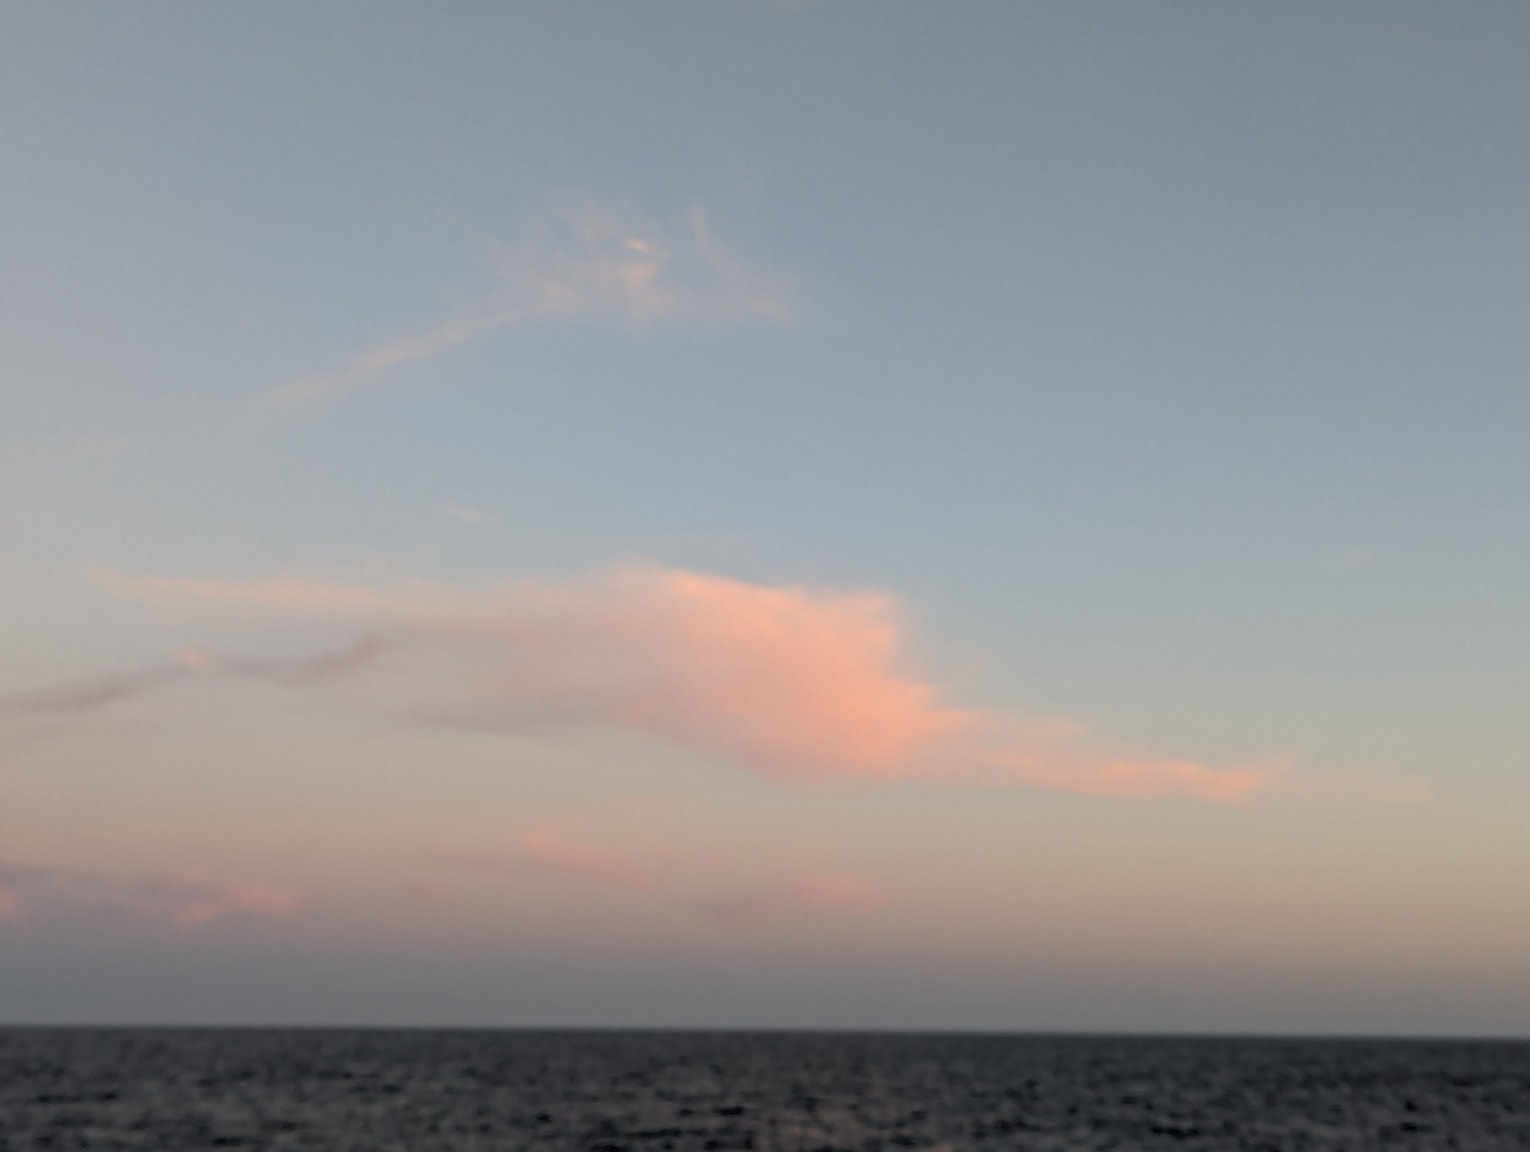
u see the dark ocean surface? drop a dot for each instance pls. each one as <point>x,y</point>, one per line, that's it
<point>646,1092</point>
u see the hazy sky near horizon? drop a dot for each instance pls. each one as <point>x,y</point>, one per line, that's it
<point>879,515</point>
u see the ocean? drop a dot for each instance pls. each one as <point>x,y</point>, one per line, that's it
<point>761,1092</point>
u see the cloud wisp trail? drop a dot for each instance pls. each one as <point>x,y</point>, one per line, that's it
<point>89,695</point>
<point>95,693</point>
<point>603,269</point>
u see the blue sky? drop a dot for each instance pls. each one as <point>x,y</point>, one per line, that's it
<point>1083,390</point>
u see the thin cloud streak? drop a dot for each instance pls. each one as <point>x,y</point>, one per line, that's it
<point>184,901</point>
<point>93,694</point>
<point>795,684</point>
<point>609,269</point>
<point>549,852</point>
<point>90,695</point>
<point>466,515</point>
<point>352,658</point>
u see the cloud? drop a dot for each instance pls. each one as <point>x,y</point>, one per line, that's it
<point>95,693</point>
<point>837,893</point>
<point>313,669</point>
<point>600,266</point>
<point>466,515</point>
<point>192,899</point>
<point>793,683</point>
<point>88,695</point>
<point>187,900</point>
<point>551,852</point>
<point>551,848</point>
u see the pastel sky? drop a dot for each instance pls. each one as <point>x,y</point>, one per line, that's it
<point>847,514</point>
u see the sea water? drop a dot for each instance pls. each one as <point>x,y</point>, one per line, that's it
<point>763,1092</point>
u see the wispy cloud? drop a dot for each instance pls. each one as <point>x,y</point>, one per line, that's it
<point>794,683</point>
<point>92,694</point>
<point>466,514</point>
<point>557,853</point>
<point>186,900</point>
<point>600,266</point>
<point>552,852</point>
<point>311,669</point>
<point>88,695</point>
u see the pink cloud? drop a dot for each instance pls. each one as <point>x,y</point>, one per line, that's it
<point>193,898</point>
<point>182,901</point>
<point>790,682</point>
<point>551,852</point>
<point>793,683</point>
<point>553,849</point>
<point>838,893</point>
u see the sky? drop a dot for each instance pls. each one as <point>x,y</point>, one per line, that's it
<point>783,514</point>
